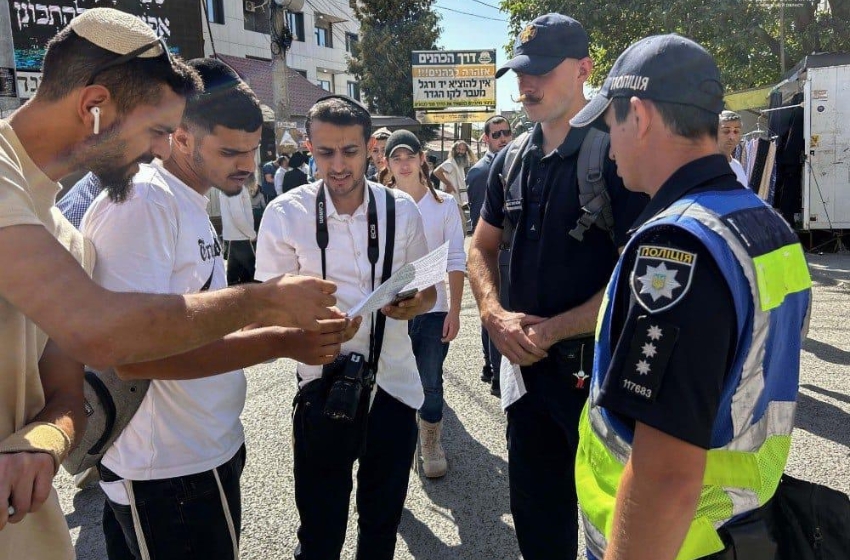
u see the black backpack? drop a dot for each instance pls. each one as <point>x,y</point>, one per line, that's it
<point>593,192</point>
<point>809,521</point>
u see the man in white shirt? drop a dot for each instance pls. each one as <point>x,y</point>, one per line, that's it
<point>340,212</point>
<point>452,174</point>
<point>172,477</point>
<point>237,229</point>
<point>728,137</point>
<point>282,168</point>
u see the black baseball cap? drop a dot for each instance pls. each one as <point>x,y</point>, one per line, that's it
<point>402,139</point>
<point>545,43</point>
<point>666,68</point>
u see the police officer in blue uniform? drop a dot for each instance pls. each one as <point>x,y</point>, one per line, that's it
<point>697,356</point>
<point>555,283</point>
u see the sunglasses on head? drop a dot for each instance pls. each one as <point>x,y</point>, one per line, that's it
<point>124,58</point>
<point>495,135</point>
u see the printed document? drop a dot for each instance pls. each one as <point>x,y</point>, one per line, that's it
<point>420,274</point>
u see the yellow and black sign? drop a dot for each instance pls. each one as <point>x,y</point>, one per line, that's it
<point>449,79</point>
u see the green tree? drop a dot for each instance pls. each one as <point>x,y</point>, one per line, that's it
<point>389,30</point>
<point>743,35</point>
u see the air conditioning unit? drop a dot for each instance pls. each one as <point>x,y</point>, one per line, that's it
<point>250,6</point>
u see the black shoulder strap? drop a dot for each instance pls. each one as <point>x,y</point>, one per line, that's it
<point>513,165</point>
<point>389,248</point>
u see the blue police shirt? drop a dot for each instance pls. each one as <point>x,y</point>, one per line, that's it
<point>550,271</point>
<point>689,375</point>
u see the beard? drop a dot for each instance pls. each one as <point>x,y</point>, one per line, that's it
<point>106,149</point>
<point>462,160</point>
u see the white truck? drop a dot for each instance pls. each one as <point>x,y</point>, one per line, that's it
<point>824,80</point>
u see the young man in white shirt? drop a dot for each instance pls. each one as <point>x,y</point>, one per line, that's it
<point>340,212</point>
<point>237,230</point>
<point>172,477</point>
<point>728,137</point>
<point>282,169</point>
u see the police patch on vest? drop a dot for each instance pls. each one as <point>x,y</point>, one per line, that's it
<point>649,353</point>
<point>661,276</point>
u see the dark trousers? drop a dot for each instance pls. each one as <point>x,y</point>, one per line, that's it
<point>241,261</point>
<point>542,440</point>
<point>323,482</point>
<point>492,357</point>
<point>181,518</point>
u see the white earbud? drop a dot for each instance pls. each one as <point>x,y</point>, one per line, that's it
<point>95,111</point>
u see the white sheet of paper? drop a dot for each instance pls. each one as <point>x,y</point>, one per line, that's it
<point>420,274</point>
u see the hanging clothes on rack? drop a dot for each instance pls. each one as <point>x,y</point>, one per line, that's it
<point>790,157</point>
<point>768,176</point>
<point>759,149</point>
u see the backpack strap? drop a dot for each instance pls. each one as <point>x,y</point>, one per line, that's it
<point>593,193</point>
<point>387,271</point>
<point>513,163</point>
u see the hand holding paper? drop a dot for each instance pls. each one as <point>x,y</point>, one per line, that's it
<point>420,274</point>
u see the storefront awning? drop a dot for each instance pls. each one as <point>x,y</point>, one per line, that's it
<point>756,98</point>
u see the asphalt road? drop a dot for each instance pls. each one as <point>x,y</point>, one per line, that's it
<point>466,515</point>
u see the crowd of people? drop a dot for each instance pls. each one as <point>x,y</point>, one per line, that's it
<point>612,243</point>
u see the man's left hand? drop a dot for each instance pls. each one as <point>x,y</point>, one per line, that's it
<point>408,309</point>
<point>539,334</point>
<point>451,326</point>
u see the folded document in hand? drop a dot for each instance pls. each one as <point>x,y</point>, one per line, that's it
<point>420,274</point>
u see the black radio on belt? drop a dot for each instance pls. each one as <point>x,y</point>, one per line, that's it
<point>350,375</point>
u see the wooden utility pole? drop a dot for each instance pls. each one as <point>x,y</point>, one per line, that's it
<point>281,40</point>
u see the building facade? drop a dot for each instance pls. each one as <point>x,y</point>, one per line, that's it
<point>323,34</point>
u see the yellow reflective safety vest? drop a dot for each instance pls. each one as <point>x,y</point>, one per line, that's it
<point>765,269</point>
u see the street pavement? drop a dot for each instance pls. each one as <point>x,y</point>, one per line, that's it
<point>466,515</point>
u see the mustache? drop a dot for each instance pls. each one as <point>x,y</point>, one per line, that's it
<point>527,98</point>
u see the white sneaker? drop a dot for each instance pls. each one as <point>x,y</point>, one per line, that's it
<point>433,455</point>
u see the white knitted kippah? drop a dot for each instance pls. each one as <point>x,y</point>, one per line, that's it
<point>115,31</point>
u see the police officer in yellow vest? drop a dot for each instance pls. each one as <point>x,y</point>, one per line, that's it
<point>688,426</point>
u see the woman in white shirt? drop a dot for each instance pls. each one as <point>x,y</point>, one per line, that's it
<point>431,332</point>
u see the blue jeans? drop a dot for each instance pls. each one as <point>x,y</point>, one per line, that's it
<point>426,332</point>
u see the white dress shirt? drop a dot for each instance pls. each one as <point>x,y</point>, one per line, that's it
<point>740,174</point>
<point>237,217</point>
<point>442,223</point>
<point>286,244</point>
<point>278,180</point>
